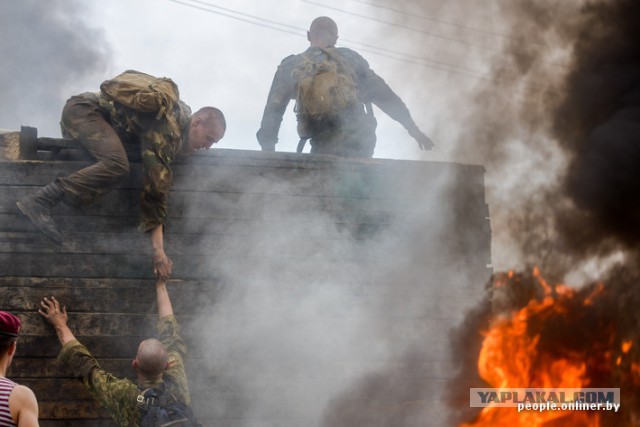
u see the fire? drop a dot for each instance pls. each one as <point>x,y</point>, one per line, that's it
<point>512,356</point>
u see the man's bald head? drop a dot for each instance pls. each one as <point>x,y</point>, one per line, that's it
<point>151,360</point>
<point>323,32</point>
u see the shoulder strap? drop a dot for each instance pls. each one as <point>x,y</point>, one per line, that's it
<point>331,53</point>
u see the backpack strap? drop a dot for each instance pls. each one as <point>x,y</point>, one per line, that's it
<point>144,400</point>
<point>339,60</point>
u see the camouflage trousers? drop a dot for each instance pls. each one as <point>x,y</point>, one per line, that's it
<point>351,135</point>
<point>84,121</point>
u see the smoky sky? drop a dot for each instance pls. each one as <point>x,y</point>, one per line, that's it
<point>598,123</point>
<point>44,47</point>
<point>557,129</point>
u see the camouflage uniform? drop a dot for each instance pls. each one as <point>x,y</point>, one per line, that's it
<point>351,134</point>
<point>102,127</point>
<point>118,395</point>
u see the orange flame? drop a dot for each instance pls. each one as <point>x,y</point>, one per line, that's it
<point>510,358</point>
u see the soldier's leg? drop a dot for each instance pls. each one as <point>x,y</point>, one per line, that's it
<point>83,121</point>
<point>328,139</point>
<point>360,137</point>
<point>352,135</point>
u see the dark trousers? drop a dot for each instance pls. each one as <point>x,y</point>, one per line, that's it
<point>350,135</point>
<point>84,121</point>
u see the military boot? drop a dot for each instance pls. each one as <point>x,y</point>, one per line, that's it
<point>37,207</point>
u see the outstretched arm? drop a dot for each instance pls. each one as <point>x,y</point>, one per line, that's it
<point>374,89</point>
<point>58,318</point>
<point>162,264</point>
<point>164,302</point>
<point>283,89</point>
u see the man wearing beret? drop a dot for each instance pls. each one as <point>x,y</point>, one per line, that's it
<point>18,404</point>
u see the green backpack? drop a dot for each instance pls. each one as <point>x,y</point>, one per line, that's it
<point>326,88</point>
<point>142,92</point>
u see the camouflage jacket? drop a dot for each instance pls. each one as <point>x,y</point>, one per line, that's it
<point>371,89</point>
<point>118,395</point>
<point>161,140</point>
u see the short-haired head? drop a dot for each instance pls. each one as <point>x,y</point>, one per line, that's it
<point>323,32</point>
<point>151,359</point>
<point>208,126</point>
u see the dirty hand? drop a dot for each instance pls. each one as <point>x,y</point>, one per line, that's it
<point>51,311</point>
<point>162,266</point>
<point>424,142</point>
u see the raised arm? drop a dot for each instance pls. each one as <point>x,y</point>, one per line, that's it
<point>374,89</point>
<point>164,302</point>
<point>58,318</point>
<point>162,264</point>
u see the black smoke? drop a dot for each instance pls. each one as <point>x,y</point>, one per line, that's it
<point>592,116</point>
<point>598,123</point>
<point>44,47</point>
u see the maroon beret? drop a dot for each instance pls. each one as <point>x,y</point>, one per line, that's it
<point>9,324</point>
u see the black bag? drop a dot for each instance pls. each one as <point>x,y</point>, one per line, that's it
<point>160,408</point>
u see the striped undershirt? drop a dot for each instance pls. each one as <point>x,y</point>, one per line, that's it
<point>6,386</point>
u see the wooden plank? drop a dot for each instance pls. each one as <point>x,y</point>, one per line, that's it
<point>128,300</point>
<point>84,422</point>
<point>36,368</point>
<point>237,247</point>
<point>42,368</point>
<point>201,174</point>
<point>230,205</point>
<point>297,227</point>
<point>86,410</point>
<point>111,324</point>
<point>191,267</point>
<point>71,388</point>
<point>87,285</point>
<point>101,347</point>
<point>77,265</point>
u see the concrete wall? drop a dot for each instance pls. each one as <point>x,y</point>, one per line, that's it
<point>313,291</point>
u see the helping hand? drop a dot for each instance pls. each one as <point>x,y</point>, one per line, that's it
<point>162,266</point>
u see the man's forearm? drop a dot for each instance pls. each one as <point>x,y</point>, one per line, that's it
<point>157,240</point>
<point>162,265</point>
<point>164,302</point>
<point>64,334</point>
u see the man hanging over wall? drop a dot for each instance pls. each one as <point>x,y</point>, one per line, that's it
<point>134,108</point>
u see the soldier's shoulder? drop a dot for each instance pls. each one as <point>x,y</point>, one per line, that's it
<point>291,60</point>
<point>349,54</point>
